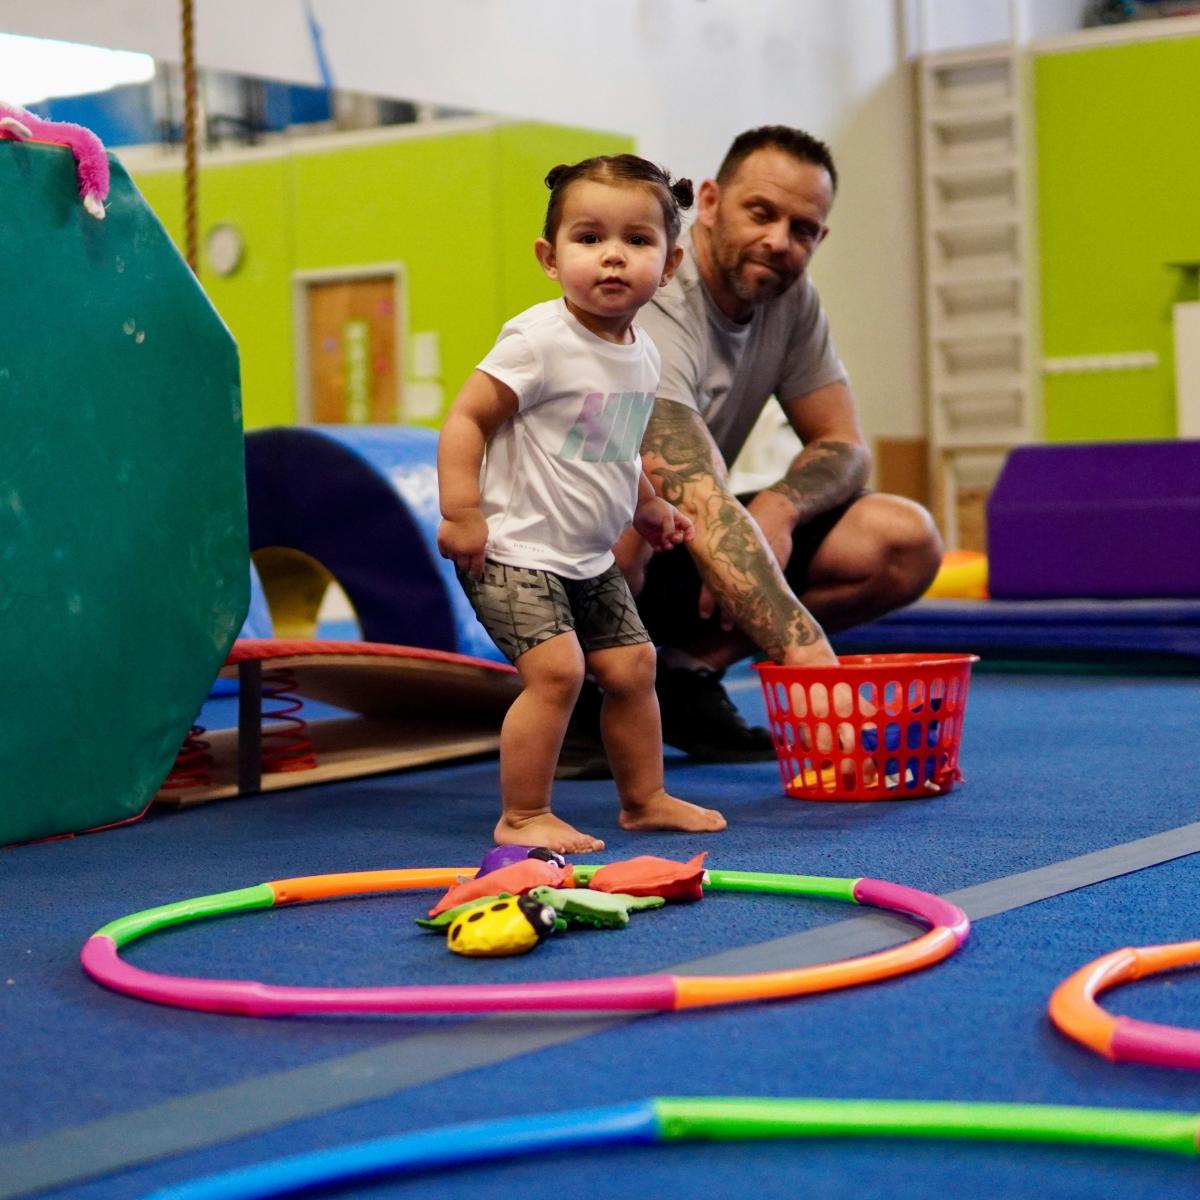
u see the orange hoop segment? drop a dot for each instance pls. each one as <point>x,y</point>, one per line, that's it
<point>1074,1010</point>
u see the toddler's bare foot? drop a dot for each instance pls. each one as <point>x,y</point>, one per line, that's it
<point>544,829</point>
<point>662,811</point>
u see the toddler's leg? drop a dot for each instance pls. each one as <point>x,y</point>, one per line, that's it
<point>530,739</point>
<point>632,731</point>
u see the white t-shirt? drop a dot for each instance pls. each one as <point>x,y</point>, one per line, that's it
<point>560,479</point>
<point>727,371</point>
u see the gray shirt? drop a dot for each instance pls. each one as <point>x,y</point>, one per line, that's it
<point>727,371</point>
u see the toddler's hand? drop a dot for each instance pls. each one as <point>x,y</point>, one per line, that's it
<point>463,540</point>
<point>662,524</point>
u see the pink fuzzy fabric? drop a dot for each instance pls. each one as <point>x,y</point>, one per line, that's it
<point>89,151</point>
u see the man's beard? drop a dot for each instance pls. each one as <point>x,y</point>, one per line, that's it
<point>765,287</point>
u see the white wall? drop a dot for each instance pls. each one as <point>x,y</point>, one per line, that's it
<point>682,76</point>
<point>958,24</point>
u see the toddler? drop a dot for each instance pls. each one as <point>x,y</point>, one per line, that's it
<point>559,406</point>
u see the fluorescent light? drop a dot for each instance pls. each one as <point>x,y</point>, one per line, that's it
<point>33,69</point>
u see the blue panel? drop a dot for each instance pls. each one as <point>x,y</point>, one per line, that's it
<point>121,116</point>
<point>363,501</point>
<point>287,104</point>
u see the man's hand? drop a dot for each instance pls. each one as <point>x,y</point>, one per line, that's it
<point>662,525</point>
<point>463,539</point>
<point>776,520</point>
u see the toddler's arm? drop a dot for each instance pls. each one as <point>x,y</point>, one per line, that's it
<point>659,521</point>
<point>483,405</point>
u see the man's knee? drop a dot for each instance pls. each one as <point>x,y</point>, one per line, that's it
<point>908,543</point>
<point>887,542</point>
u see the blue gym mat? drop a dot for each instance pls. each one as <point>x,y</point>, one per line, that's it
<point>1049,628</point>
<point>108,1098</point>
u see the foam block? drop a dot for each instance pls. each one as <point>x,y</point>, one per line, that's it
<point>1114,520</point>
<point>360,503</point>
<point>122,501</point>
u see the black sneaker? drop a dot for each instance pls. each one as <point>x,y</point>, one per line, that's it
<point>699,718</point>
<point>582,755</point>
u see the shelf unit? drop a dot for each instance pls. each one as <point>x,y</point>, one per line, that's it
<point>978,254</point>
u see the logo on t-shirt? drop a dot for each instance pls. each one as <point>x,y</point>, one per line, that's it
<point>609,427</point>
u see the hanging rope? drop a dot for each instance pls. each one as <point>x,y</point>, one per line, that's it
<point>189,137</point>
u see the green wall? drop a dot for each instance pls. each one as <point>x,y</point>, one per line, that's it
<point>459,210</point>
<point>1118,166</point>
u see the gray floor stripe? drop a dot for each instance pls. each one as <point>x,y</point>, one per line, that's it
<point>256,1105</point>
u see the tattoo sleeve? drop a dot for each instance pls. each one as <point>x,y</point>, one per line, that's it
<point>822,476</point>
<point>733,559</point>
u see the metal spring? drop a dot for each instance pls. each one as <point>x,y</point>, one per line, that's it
<point>193,763</point>
<point>288,748</point>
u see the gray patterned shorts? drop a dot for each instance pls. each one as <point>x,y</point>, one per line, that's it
<point>521,608</point>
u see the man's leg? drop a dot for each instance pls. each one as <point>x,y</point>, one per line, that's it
<point>698,716</point>
<point>877,554</point>
<point>849,566</point>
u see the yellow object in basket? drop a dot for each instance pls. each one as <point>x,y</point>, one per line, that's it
<point>828,779</point>
<point>808,778</point>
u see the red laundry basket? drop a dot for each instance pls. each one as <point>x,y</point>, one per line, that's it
<point>875,727</point>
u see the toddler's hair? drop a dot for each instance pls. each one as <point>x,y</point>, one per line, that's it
<point>619,169</point>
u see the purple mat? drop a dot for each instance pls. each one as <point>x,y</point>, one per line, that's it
<point>1116,520</point>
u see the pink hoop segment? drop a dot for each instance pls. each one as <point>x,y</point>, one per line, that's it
<point>101,959</point>
<point>912,903</point>
<point>250,999</point>
<point>1074,1010</point>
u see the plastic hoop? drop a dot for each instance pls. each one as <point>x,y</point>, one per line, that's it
<point>655,993</point>
<point>689,1118</point>
<point>1074,1010</point>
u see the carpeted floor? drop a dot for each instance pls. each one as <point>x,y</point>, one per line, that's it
<point>1057,767</point>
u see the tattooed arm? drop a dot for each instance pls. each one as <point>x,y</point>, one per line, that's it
<point>732,557</point>
<point>830,469</point>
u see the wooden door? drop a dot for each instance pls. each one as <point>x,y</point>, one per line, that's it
<point>352,351</point>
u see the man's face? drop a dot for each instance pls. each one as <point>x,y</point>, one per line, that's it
<point>764,224</point>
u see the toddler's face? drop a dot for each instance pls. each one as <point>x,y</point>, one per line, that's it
<point>610,253</point>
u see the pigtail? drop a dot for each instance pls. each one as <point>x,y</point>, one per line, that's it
<point>555,174</point>
<point>684,195</point>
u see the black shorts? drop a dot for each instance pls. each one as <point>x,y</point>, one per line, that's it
<point>521,608</point>
<point>670,597</point>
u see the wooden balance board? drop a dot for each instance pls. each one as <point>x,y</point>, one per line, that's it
<point>408,707</point>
